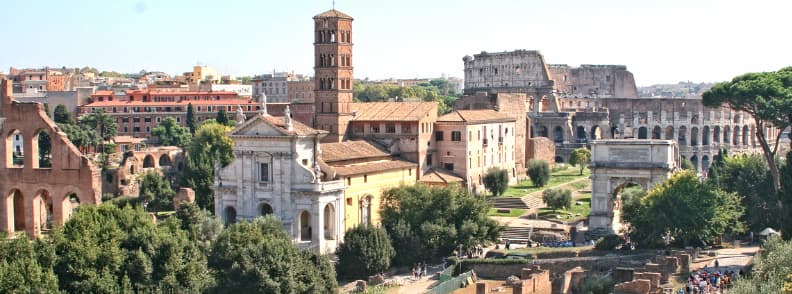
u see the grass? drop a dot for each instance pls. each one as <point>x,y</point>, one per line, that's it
<point>557,178</point>
<point>539,250</point>
<point>579,185</point>
<point>574,214</point>
<point>513,212</point>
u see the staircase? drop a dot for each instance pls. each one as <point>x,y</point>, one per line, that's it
<point>508,202</point>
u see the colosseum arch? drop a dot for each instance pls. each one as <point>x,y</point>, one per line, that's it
<point>616,163</point>
<point>669,133</point>
<point>746,134</point>
<point>643,133</point>
<point>580,136</point>
<point>716,135</point>
<point>736,136</point>
<point>596,133</point>
<point>42,149</point>
<point>705,136</point>
<point>694,136</point>
<point>682,138</point>
<point>558,134</point>
<point>657,133</point>
<point>727,135</point>
<point>705,163</point>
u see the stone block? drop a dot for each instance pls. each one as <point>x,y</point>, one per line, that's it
<point>623,274</point>
<point>184,195</point>
<point>633,287</point>
<point>481,288</point>
<point>376,279</point>
<point>654,279</point>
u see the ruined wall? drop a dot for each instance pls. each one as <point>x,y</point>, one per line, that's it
<point>520,71</point>
<point>591,80</point>
<point>40,187</point>
<point>540,148</point>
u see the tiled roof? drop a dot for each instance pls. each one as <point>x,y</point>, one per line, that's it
<point>475,116</point>
<point>333,13</point>
<point>103,92</point>
<point>298,128</point>
<point>348,150</point>
<point>372,167</point>
<point>392,111</point>
<point>172,103</point>
<point>440,176</point>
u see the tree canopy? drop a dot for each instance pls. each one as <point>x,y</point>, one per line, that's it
<point>61,114</point>
<point>686,209</point>
<point>539,172</point>
<point>210,145</point>
<point>366,251</point>
<point>170,133</point>
<point>750,178</point>
<point>103,123</point>
<point>156,191</point>
<point>436,90</point>
<point>496,180</point>
<point>222,117</point>
<point>580,157</point>
<point>557,198</point>
<point>425,223</point>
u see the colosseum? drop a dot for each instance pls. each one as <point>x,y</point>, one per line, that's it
<point>574,105</point>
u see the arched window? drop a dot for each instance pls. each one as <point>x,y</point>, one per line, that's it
<point>164,160</point>
<point>558,134</point>
<point>15,149</point>
<point>669,133</point>
<point>657,133</point>
<point>44,143</point>
<point>329,222</point>
<point>306,231</point>
<point>148,161</point>
<point>230,215</point>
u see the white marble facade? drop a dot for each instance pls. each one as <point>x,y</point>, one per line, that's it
<point>274,172</point>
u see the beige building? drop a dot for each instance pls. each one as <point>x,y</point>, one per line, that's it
<point>367,171</point>
<point>202,74</point>
<point>470,142</point>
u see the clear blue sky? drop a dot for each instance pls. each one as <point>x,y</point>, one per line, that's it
<point>663,41</point>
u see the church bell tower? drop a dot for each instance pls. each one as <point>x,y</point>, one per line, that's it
<point>333,73</point>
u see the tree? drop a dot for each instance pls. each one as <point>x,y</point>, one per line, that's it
<point>103,123</point>
<point>258,257</point>
<point>61,115</point>
<point>686,164</point>
<point>786,197</point>
<point>155,190</point>
<point>496,180</point>
<point>767,98</point>
<point>688,210</point>
<point>557,198</point>
<point>366,251</point>
<point>106,249</point>
<point>170,133</point>
<point>210,145</point>
<point>189,120</point>
<point>45,149</point>
<point>597,284</point>
<point>201,226</point>
<point>425,223</point>
<point>750,178</point>
<point>580,157</point>
<point>772,270</point>
<point>222,117</point>
<point>80,135</point>
<point>539,172</point>
<point>26,266</point>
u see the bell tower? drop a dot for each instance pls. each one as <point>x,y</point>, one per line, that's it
<point>333,73</point>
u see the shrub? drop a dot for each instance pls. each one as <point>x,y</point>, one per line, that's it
<point>366,251</point>
<point>539,172</point>
<point>609,242</point>
<point>496,180</point>
<point>557,198</point>
<point>597,285</point>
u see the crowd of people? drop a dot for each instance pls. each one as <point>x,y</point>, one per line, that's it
<point>419,271</point>
<point>710,280</point>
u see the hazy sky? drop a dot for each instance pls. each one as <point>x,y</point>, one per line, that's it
<point>662,41</point>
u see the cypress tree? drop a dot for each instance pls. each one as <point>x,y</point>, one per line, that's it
<point>190,119</point>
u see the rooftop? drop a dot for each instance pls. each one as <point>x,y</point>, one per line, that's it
<point>348,150</point>
<point>298,128</point>
<point>185,102</point>
<point>393,111</point>
<point>475,116</point>
<point>333,13</point>
<point>372,167</point>
<point>440,176</point>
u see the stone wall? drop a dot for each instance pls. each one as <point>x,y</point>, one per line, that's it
<point>540,148</point>
<point>633,287</point>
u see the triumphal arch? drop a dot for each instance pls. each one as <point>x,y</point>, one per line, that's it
<point>616,164</point>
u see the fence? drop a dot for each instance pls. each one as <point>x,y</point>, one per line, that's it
<point>450,283</point>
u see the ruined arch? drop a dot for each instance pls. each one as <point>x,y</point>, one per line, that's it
<point>329,222</point>
<point>42,153</point>
<point>705,162</point>
<point>581,134</point>
<point>15,149</point>
<point>265,209</point>
<point>682,138</point>
<point>148,161</point>
<point>43,219</point>
<point>716,134</point>
<point>165,160</point>
<point>657,133</point>
<point>613,166</point>
<point>705,136</point>
<point>543,131</point>
<point>669,133</point>
<point>16,211</point>
<point>643,133</point>
<point>694,136</point>
<point>558,134</point>
<point>694,159</point>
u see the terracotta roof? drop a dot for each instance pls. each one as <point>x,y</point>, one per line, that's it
<point>392,111</point>
<point>298,128</point>
<point>475,116</point>
<point>348,150</point>
<point>235,101</point>
<point>333,13</point>
<point>440,176</point>
<point>103,92</point>
<point>372,167</point>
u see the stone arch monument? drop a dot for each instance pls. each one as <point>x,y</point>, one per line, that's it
<point>617,163</point>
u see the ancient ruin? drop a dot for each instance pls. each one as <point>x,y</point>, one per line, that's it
<point>40,189</point>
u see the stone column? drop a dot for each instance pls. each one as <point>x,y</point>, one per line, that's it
<point>60,209</point>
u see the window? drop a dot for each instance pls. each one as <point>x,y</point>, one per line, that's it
<point>429,159</point>
<point>390,128</point>
<point>263,172</point>
<point>357,129</point>
<point>349,182</point>
<point>456,136</point>
<point>448,166</point>
<point>147,119</point>
<point>439,136</point>
<point>178,119</point>
<point>136,129</point>
<point>136,119</point>
<point>159,119</point>
<point>148,129</point>
<point>406,129</point>
<point>375,129</point>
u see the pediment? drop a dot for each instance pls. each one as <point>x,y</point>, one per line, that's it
<point>257,127</point>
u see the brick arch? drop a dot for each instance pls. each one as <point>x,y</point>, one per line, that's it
<point>11,150</point>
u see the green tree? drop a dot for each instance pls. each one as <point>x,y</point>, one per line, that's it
<point>222,117</point>
<point>686,209</point>
<point>259,257</point>
<point>45,149</point>
<point>772,270</point>
<point>201,226</point>
<point>496,180</point>
<point>61,115</point>
<point>750,178</point>
<point>26,266</point>
<point>170,133</point>
<point>686,164</point>
<point>156,190</point>
<point>189,120</point>
<point>786,197</point>
<point>557,198</point>
<point>80,135</point>
<point>366,251</point>
<point>597,284</point>
<point>767,98</point>
<point>103,123</point>
<point>539,172</point>
<point>209,145</point>
<point>425,223</point>
<point>580,157</point>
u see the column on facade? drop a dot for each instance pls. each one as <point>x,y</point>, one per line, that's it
<point>60,209</point>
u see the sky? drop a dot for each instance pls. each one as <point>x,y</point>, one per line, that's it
<point>660,41</point>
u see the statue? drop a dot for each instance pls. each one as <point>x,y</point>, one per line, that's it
<point>240,116</point>
<point>317,173</point>
<point>287,123</point>
<point>263,110</point>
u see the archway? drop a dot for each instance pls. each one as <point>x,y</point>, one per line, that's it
<point>365,211</point>
<point>643,133</point>
<point>17,210</point>
<point>74,203</point>
<point>265,209</point>
<point>694,135</point>
<point>559,159</point>
<point>230,215</point>
<point>614,132</point>
<point>42,211</point>
<point>694,161</point>
<point>558,134</point>
<point>329,222</point>
<point>746,134</point>
<point>682,139</point>
<point>624,193</point>
<point>736,136</point>
<point>705,162</point>
<point>148,161</point>
<point>596,133</point>
<point>15,149</point>
<point>581,134</point>
<point>705,134</point>
<point>43,157</point>
<point>543,132</point>
<point>305,226</point>
<point>164,160</point>
<point>716,134</point>
<point>657,132</point>
<point>669,133</point>
<point>726,135</point>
